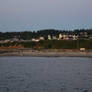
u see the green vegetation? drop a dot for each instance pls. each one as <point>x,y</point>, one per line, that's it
<point>59,44</point>
<point>24,39</point>
<point>27,35</point>
<point>54,44</point>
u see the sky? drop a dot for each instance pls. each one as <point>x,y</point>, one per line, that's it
<point>30,15</point>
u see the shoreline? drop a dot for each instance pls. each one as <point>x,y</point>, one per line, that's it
<point>45,53</point>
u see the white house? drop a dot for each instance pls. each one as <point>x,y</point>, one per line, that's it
<point>49,37</point>
<point>41,38</point>
<point>35,40</point>
<point>60,37</point>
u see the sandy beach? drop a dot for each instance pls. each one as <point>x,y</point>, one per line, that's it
<point>45,53</point>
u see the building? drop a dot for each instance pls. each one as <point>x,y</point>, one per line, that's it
<point>75,37</point>
<point>90,36</point>
<point>35,40</point>
<point>60,37</point>
<point>54,37</point>
<point>65,37</point>
<point>49,37</point>
<point>41,38</point>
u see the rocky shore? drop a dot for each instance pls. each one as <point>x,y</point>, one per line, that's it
<point>45,53</point>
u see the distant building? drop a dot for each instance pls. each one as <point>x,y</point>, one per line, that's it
<point>65,37</point>
<point>41,38</point>
<point>82,49</point>
<point>7,40</point>
<point>90,36</point>
<point>35,40</point>
<point>54,37</point>
<point>14,39</point>
<point>83,34</point>
<point>75,37</point>
<point>49,37</point>
<point>60,37</point>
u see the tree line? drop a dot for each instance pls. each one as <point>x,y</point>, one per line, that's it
<point>27,35</point>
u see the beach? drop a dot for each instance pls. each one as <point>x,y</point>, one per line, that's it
<point>45,52</point>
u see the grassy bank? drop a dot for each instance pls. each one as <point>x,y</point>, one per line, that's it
<point>59,44</point>
<point>51,44</point>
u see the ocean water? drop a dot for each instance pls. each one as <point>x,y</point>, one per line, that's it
<point>50,74</point>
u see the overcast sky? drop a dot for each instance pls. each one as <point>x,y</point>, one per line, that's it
<point>21,15</point>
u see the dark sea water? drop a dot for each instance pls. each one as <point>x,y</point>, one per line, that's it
<point>50,74</point>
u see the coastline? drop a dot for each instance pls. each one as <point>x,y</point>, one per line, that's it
<point>45,53</point>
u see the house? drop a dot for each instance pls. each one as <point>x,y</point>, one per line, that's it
<point>49,37</point>
<point>54,37</point>
<point>75,37</point>
<point>65,37</point>
<point>35,40</point>
<point>7,40</point>
<point>41,38</point>
<point>82,49</point>
<point>60,37</point>
<point>90,36</point>
<point>14,39</point>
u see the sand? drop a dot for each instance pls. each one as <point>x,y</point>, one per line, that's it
<point>45,53</point>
